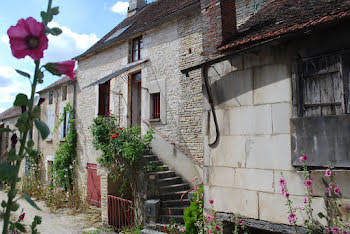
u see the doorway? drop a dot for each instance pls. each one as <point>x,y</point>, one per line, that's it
<point>135,100</point>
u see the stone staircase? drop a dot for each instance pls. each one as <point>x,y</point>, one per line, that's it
<point>171,187</point>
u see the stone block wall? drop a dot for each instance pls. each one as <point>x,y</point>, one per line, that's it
<point>253,101</point>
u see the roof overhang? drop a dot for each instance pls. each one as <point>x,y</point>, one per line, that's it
<point>117,73</point>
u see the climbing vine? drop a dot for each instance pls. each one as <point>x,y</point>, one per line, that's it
<point>122,149</point>
<point>66,155</point>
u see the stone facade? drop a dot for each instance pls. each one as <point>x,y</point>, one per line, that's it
<point>167,48</point>
<point>252,93</point>
<point>246,8</point>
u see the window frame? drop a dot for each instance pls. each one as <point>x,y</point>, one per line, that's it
<point>139,42</point>
<point>155,106</point>
<point>104,99</point>
<point>64,94</point>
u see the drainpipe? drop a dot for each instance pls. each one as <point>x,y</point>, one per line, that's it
<point>212,106</point>
<point>73,105</point>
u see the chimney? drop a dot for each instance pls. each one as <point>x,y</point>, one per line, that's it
<point>135,6</point>
<point>219,24</point>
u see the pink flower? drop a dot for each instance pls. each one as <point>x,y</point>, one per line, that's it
<point>308,182</point>
<point>21,217</point>
<point>240,222</point>
<point>28,38</point>
<point>286,195</point>
<point>211,201</point>
<point>66,68</point>
<point>210,231</point>
<point>345,232</point>
<point>328,173</point>
<point>336,190</point>
<point>347,208</point>
<point>197,201</point>
<point>302,158</point>
<point>329,191</point>
<point>302,207</point>
<point>282,182</point>
<point>335,230</point>
<point>209,218</point>
<point>292,217</point>
<point>217,228</point>
<point>195,187</point>
<point>44,188</point>
<point>326,230</point>
<point>201,196</point>
<point>305,199</point>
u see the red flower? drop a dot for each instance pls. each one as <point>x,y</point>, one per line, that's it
<point>240,222</point>
<point>28,38</point>
<point>217,228</point>
<point>21,217</point>
<point>115,136</point>
<point>67,68</point>
<point>211,201</point>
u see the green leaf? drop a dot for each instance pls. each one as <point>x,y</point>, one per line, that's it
<point>5,130</point>
<point>43,128</point>
<point>3,204</point>
<point>20,227</point>
<point>23,73</point>
<point>21,100</point>
<point>12,156</point>
<point>14,206</point>
<point>36,112</point>
<point>55,11</point>
<point>56,31</point>
<point>30,143</point>
<point>52,68</point>
<point>43,16</point>
<point>7,171</point>
<point>30,201</point>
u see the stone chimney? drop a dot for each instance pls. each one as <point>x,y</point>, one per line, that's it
<point>135,6</point>
<point>219,24</point>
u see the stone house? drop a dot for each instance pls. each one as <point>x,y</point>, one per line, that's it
<point>275,87</point>
<point>56,96</point>
<point>134,73</point>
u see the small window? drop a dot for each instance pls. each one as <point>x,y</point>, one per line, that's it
<point>103,107</point>
<point>64,93</point>
<point>50,97</point>
<point>137,46</point>
<point>65,125</point>
<point>155,105</point>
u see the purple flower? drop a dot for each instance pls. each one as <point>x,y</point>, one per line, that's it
<point>282,182</point>
<point>292,217</point>
<point>326,230</point>
<point>328,173</point>
<point>335,230</point>
<point>308,182</point>
<point>336,190</point>
<point>305,199</point>
<point>302,158</point>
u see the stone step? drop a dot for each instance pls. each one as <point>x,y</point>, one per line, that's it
<point>172,210</point>
<point>174,188</point>
<point>156,163</point>
<point>170,181</point>
<point>165,219</point>
<point>150,157</point>
<point>176,203</point>
<point>163,174</point>
<point>173,195</point>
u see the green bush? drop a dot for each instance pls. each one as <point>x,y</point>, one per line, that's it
<point>193,215</point>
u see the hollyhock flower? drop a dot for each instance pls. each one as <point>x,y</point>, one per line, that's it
<point>201,196</point>
<point>282,182</point>
<point>326,230</point>
<point>335,230</point>
<point>305,199</point>
<point>302,207</point>
<point>345,232</point>
<point>283,191</point>
<point>302,158</point>
<point>211,201</point>
<point>240,222</point>
<point>197,201</point>
<point>195,187</point>
<point>21,217</point>
<point>328,173</point>
<point>329,191</point>
<point>210,231</point>
<point>286,195</point>
<point>28,38</point>
<point>292,217</point>
<point>336,190</point>
<point>347,208</point>
<point>308,182</point>
<point>209,218</point>
<point>67,68</point>
<point>217,227</point>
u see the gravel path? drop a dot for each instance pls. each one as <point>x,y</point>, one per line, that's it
<point>58,222</point>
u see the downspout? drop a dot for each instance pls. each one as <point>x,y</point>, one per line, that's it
<point>212,106</point>
<point>73,100</point>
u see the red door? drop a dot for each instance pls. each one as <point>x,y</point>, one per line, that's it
<point>94,185</point>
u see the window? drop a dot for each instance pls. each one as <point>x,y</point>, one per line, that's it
<point>155,105</point>
<point>137,46</point>
<point>103,107</point>
<point>50,117</point>
<point>50,97</point>
<point>319,89</point>
<point>64,92</point>
<point>64,124</point>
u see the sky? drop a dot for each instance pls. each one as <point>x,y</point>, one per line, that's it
<point>83,23</point>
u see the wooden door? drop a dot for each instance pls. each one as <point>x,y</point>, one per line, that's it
<point>94,185</point>
<point>135,100</point>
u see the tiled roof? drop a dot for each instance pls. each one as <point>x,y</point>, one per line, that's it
<point>281,17</point>
<point>11,112</point>
<point>61,81</point>
<point>152,14</point>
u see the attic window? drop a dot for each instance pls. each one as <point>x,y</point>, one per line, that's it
<point>137,46</point>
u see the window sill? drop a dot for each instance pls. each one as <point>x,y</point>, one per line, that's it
<point>62,139</point>
<point>154,120</point>
<point>49,140</point>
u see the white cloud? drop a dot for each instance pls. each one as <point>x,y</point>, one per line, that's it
<point>67,45</point>
<point>120,7</point>
<point>5,39</point>
<point>2,110</point>
<point>7,72</point>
